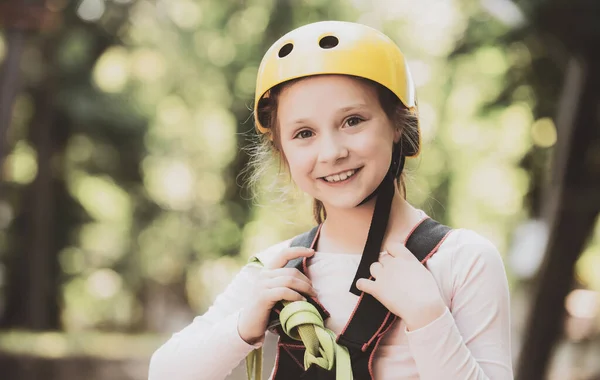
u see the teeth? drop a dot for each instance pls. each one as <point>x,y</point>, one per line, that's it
<point>340,177</point>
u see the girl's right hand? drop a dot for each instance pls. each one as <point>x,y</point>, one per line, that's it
<point>275,284</point>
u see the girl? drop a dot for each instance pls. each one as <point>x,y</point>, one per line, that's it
<point>335,102</point>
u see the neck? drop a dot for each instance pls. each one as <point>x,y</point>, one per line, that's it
<point>347,229</point>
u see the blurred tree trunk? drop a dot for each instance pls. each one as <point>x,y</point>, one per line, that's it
<point>9,84</point>
<point>46,213</point>
<point>33,290</point>
<point>572,200</point>
<point>571,207</point>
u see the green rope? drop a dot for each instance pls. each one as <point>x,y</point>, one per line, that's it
<point>254,364</point>
<point>301,321</point>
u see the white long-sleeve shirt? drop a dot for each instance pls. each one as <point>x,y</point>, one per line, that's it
<point>470,341</point>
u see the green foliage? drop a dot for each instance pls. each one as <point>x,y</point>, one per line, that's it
<point>157,106</point>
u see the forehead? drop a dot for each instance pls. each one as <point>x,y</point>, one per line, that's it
<point>325,93</point>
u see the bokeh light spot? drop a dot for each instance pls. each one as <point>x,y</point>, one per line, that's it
<point>91,10</point>
<point>21,165</point>
<point>543,132</point>
<point>104,283</point>
<point>111,72</point>
<point>184,13</point>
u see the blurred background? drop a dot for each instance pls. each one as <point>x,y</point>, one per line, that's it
<point>123,206</point>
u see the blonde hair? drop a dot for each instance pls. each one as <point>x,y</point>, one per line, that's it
<point>266,153</point>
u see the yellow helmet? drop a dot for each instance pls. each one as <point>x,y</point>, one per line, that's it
<point>335,47</point>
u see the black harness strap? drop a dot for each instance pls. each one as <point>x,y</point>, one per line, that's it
<point>370,317</point>
<point>426,238</point>
<point>367,325</point>
<point>377,230</point>
<point>306,240</point>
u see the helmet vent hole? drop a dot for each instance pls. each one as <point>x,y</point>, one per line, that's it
<point>285,50</point>
<point>328,42</point>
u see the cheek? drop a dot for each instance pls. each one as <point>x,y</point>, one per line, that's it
<point>298,162</point>
<point>377,148</point>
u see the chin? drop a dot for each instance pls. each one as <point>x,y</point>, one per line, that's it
<point>342,203</point>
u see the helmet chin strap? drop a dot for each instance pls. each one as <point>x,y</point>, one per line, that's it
<point>383,204</point>
<point>396,168</point>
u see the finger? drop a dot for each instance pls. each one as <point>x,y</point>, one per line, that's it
<point>376,269</point>
<point>278,294</point>
<point>292,283</point>
<point>397,250</point>
<point>287,272</point>
<point>365,285</point>
<point>288,254</point>
<point>385,259</point>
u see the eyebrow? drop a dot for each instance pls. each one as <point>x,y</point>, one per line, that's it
<point>352,107</point>
<point>341,110</point>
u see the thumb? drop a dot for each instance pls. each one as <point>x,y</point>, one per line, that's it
<point>365,285</point>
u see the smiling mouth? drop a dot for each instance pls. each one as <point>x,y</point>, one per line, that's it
<point>341,176</point>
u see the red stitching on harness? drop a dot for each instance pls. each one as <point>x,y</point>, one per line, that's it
<point>304,265</point>
<point>353,312</point>
<point>312,245</point>
<point>291,345</point>
<point>277,355</point>
<point>305,270</point>
<point>435,249</point>
<point>366,345</point>
<point>372,356</point>
<point>414,228</point>
<point>371,277</point>
<point>327,314</point>
<point>293,357</point>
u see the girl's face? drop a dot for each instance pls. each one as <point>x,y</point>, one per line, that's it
<point>336,138</point>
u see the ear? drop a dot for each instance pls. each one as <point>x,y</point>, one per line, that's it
<point>397,135</point>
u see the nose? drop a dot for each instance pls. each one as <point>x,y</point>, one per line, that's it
<point>332,148</point>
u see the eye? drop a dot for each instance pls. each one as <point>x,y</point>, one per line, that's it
<point>353,121</point>
<point>304,134</point>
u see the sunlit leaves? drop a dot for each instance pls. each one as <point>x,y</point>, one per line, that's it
<point>513,140</point>
<point>112,70</point>
<point>171,183</point>
<point>588,265</point>
<point>72,260</point>
<point>148,65</point>
<point>247,25</point>
<point>80,149</point>
<point>543,133</point>
<point>101,197</point>
<point>245,81</point>
<point>103,245</point>
<point>75,49</point>
<point>491,61</point>
<point>186,14</point>
<point>188,69</point>
<point>77,343</point>
<point>21,165</point>
<point>210,278</point>
<point>211,187</point>
<point>221,50</point>
<point>91,10</point>
<point>217,128</point>
<point>173,117</point>
<point>96,299</point>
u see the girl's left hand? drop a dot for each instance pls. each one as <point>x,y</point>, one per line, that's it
<point>405,287</point>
